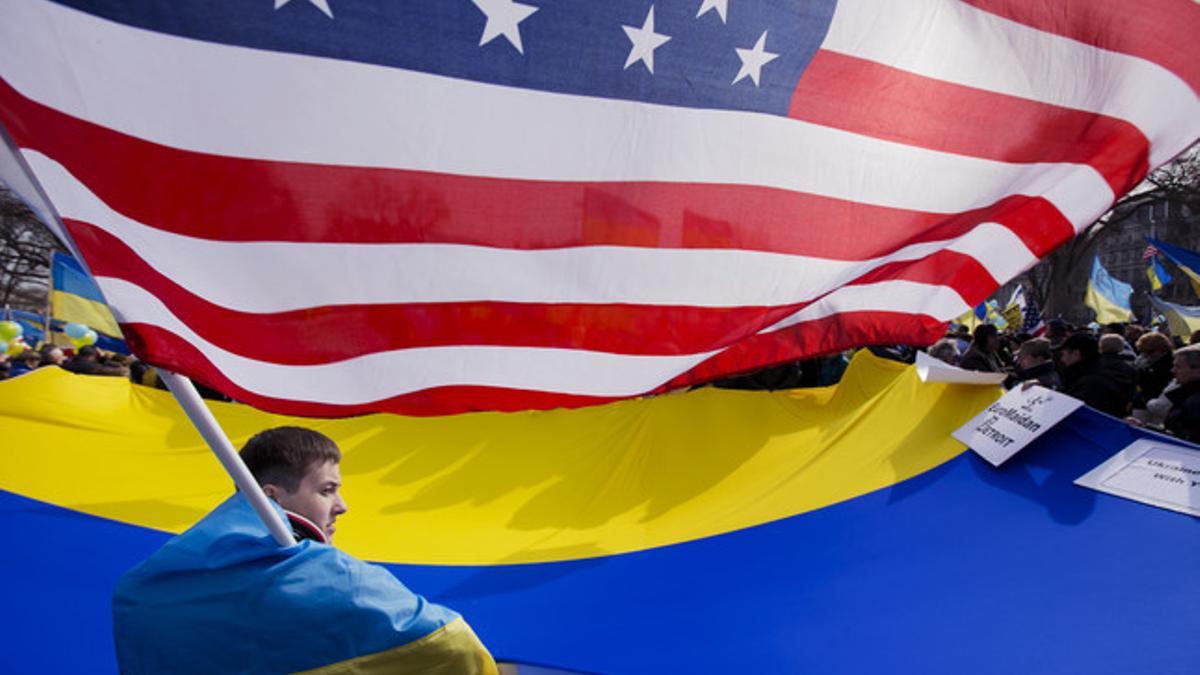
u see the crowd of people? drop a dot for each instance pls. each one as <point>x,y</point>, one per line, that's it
<point>1125,370</point>
<point>86,360</point>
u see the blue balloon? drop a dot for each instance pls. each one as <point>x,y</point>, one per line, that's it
<point>76,330</point>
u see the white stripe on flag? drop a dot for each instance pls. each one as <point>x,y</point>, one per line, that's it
<point>953,41</point>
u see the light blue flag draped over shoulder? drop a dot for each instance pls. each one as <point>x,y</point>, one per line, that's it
<point>223,597</point>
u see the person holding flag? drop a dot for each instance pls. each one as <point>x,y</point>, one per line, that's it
<point>1186,260</point>
<point>225,597</point>
<point>1155,272</point>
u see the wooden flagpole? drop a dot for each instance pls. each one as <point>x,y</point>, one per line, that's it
<point>202,418</point>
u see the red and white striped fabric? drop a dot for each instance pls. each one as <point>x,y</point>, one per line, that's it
<point>332,223</point>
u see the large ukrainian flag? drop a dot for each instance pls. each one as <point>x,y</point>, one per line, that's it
<point>835,530</point>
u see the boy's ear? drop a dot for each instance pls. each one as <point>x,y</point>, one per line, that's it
<point>270,490</point>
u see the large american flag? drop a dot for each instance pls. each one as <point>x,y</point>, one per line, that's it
<point>331,207</point>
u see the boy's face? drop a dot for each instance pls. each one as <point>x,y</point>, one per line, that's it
<point>317,498</point>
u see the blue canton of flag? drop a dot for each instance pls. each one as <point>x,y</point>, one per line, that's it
<point>699,55</point>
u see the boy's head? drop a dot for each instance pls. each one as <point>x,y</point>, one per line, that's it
<point>298,468</point>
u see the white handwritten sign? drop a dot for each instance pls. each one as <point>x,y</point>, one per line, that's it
<point>1152,472</point>
<point>1021,415</point>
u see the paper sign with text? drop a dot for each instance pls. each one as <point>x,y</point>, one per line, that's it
<point>930,369</point>
<point>1008,425</point>
<point>1152,472</point>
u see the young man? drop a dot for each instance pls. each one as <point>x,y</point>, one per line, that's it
<point>225,597</point>
<point>298,469</point>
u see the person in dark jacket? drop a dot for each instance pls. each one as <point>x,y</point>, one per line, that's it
<point>1084,377</point>
<point>1184,418</point>
<point>981,355</point>
<point>1035,363</point>
<point>1153,364</point>
<point>1116,366</point>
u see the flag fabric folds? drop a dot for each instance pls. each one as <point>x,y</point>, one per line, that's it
<point>75,298</point>
<point>331,208</point>
<point>1187,261</point>
<point>1182,320</point>
<point>224,597</point>
<point>1108,296</point>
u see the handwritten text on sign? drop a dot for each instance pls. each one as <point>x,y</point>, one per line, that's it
<point>1008,425</point>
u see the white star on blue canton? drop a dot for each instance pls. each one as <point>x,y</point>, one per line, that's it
<point>722,7</point>
<point>503,18</point>
<point>322,5</point>
<point>645,41</point>
<point>754,59</point>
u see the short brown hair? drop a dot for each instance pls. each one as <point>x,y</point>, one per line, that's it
<point>281,456</point>
<point>1038,347</point>
<point>1154,343</point>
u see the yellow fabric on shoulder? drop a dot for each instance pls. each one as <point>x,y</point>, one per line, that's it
<point>453,649</point>
<point>492,488</point>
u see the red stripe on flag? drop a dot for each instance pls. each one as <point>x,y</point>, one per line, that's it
<point>165,349</point>
<point>828,335</point>
<point>333,333</point>
<point>254,200</point>
<point>880,101</point>
<point>1162,31</point>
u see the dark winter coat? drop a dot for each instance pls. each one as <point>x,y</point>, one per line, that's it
<point>1184,418</point>
<point>1152,378</point>
<point>1091,383</point>
<point>1044,373</point>
<point>977,359</point>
